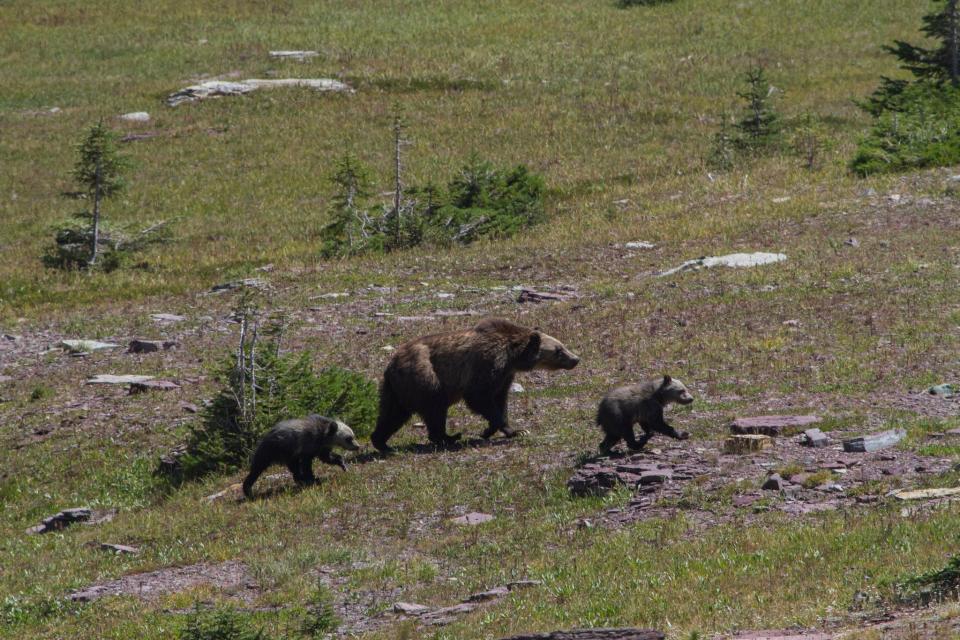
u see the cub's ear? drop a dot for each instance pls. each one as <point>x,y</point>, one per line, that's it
<point>666,381</point>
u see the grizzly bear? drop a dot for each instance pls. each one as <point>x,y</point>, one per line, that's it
<point>642,403</point>
<point>295,443</point>
<point>429,374</point>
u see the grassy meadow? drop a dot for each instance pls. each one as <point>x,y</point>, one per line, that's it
<point>617,110</point>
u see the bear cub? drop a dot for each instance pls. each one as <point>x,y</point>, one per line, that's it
<point>295,443</point>
<point>640,403</point>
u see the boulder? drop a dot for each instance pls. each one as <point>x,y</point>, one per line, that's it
<point>772,425</point>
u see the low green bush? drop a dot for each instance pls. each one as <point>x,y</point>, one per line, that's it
<point>219,624</point>
<point>286,387</point>
<point>923,132</point>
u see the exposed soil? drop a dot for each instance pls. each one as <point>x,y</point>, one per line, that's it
<point>231,577</point>
<point>680,477</point>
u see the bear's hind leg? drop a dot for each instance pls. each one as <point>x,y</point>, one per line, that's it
<point>633,441</point>
<point>306,470</point>
<point>609,442</point>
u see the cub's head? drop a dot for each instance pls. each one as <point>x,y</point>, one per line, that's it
<point>343,437</point>
<point>672,390</point>
<point>546,352</point>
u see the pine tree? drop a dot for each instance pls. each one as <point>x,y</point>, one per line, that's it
<point>760,125</point>
<point>351,226</point>
<point>99,172</point>
<point>939,64</point>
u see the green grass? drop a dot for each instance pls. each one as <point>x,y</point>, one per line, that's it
<point>616,109</point>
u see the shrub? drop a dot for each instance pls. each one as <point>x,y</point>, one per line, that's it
<point>219,624</point>
<point>481,201</point>
<point>287,387</point>
<point>923,132</point>
<point>935,585</point>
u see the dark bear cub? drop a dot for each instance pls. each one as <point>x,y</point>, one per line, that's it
<point>295,443</point>
<point>640,403</point>
<point>427,375</point>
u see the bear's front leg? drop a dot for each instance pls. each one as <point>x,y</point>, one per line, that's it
<point>330,457</point>
<point>436,421</point>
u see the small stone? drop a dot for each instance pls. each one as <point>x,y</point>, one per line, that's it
<point>136,116</point>
<point>117,548</point>
<point>781,200</point>
<point>874,442</point>
<point>852,242</point>
<point>164,318</point>
<point>747,443</point>
<point>189,407</point>
<point>150,346</point>
<point>299,56</point>
<point>640,245</point>
<point>791,323</point>
<point>516,387</point>
<point>472,519</point>
<point>153,385</point>
<point>815,438</point>
<point>106,378</point>
<point>943,390</point>
<point>772,425</point>
<point>774,483</point>
<point>409,608</point>
<point>253,283</point>
<point>86,346</point>
<point>486,596</point>
<point>745,500</point>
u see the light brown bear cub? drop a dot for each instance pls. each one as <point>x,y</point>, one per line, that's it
<point>477,365</point>
<point>640,403</point>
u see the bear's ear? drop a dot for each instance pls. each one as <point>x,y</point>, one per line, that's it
<point>666,382</point>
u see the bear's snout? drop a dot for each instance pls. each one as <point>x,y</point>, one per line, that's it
<point>686,398</point>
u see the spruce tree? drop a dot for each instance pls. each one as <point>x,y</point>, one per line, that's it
<point>99,173</point>
<point>760,125</point>
<point>939,64</point>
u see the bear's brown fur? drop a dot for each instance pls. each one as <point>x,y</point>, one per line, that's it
<point>428,375</point>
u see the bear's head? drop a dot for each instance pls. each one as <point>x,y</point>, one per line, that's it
<point>546,352</point>
<point>343,437</point>
<point>672,390</point>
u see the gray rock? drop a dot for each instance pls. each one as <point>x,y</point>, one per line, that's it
<point>772,425</point>
<point>164,318</point>
<point>472,519</point>
<point>86,346</point>
<point>136,116</point>
<point>118,548</point>
<point>640,245</point>
<point>815,438</point>
<point>254,283</point>
<point>774,483</point>
<point>107,378</point>
<point>486,596</point>
<point>874,442</point>
<point>153,385</point>
<point>150,346</point>
<point>409,608</point>
<point>852,242</point>
<point>738,260</point>
<point>516,387</point>
<point>62,520</point>
<point>220,88</point>
<point>299,56</point>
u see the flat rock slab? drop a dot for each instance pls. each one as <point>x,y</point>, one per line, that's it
<point>165,318</point>
<point>782,635</point>
<point>737,260</point>
<point>150,346</point>
<point>253,283</point>
<point>228,576</point>
<point>116,548</point>
<point>86,346</point>
<point>472,519</point>
<point>748,443</point>
<point>927,494</point>
<point>153,385</point>
<point>874,442</point>
<point>62,520</point>
<point>299,56</point>
<point>107,378</point>
<point>772,425</point>
<point>409,608</point>
<point>135,116</point>
<point>220,88</point>
<point>622,633</point>
<point>529,295</point>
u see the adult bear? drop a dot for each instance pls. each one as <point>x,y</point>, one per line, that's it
<point>427,375</point>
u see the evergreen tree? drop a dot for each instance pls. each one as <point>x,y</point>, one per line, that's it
<point>99,172</point>
<point>760,125</point>
<point>939,64</point>
<point>351,225</point>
